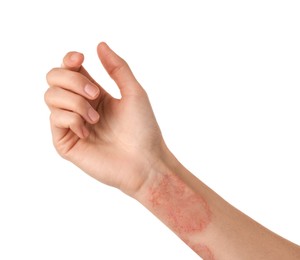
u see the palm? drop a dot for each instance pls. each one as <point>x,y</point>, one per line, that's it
<point>126,130</point>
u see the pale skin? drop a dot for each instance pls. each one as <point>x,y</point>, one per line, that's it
<point>119,143</point>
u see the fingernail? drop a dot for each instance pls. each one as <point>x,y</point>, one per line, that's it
<point>93,115</point>
<point>91,90</point>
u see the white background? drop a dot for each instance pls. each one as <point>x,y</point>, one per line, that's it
<point>223,78</point>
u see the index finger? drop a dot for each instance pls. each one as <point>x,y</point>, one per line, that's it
<point>73,61</point>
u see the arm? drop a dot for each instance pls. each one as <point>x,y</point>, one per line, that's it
<point>204,221</point>
<point>118,142</point>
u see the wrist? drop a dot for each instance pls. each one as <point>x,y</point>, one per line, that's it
<point>159,167</point>
<point>169,193</point>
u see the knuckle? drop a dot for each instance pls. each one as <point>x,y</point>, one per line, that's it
<point>50,96</point>
<point>120,66</point>
<point>52,117</point>
<point>62,150</point>
<point>50,74</point>
<point>47,96</point>
<point>75,120</point>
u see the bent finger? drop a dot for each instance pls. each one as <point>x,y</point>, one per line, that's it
<point>60,98</point>
<point>73,81</point>
<point>62,121</point>
<point>73,61</point>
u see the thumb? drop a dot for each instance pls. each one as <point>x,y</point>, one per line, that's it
<point>118,70</point>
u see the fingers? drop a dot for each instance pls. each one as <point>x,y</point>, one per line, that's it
<point>58,98</point>
<point>72,97</point>
<point>73,61</point>
<point>118,70</point>
<point>68,99</point>
<point>73,81</point>
<point>62,120</point>
<point>73,94</point>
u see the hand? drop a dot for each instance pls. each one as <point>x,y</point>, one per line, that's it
<point>116,141</point>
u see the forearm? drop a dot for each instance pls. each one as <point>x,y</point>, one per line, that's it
<point>202,219</point>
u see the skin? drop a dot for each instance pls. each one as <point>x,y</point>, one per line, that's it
<point>119,143</point>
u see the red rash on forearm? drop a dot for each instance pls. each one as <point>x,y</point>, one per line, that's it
<point>181,209</point>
